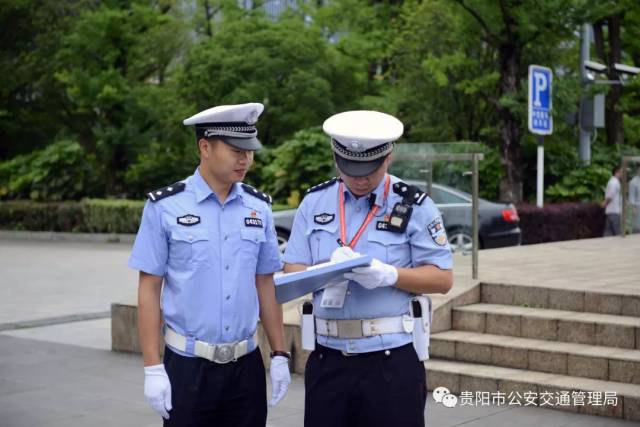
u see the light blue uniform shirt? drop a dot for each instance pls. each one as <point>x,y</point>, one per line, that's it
<point>209,268</point>
<point>313,239</point>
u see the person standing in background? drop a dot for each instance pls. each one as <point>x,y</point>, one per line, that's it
<point>634,201</point>
<point>612,204</point>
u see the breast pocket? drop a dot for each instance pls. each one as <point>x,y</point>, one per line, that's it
<point>190,246</point>
<point>250,240</point>
<point>322,241</point>
<point>392,248</point>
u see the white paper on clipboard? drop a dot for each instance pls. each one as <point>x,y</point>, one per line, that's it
<point>294,285</point>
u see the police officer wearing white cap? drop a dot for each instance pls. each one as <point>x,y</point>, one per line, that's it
<point>364,370</point>
<point>206,251</point>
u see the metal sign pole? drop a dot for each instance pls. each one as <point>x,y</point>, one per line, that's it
<point>540,173</point>
<point>623,191</point>
<point>474,218</point>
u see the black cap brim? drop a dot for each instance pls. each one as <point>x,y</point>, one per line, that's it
<point>358,169</point>
<point>246,144</point>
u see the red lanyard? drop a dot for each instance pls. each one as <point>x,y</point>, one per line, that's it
<point>372,213</point>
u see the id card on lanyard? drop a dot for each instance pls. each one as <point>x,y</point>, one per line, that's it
<point>334,295</point>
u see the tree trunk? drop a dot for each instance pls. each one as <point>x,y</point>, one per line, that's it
<point>208,14</point>
<point>510,131</point>
<point>613,116</point>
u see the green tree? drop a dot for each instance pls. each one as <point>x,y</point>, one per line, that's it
<point>32,104</point>
<point>297,164</point>
<point>286,65</point>
<point>113,66</point>
<point>472,59</point>
<point>61,171</point>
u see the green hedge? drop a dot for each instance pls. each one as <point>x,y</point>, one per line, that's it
<point>87,216</point>
<point>90,215</point>
<point>34,216</point>
<point>112,216</point>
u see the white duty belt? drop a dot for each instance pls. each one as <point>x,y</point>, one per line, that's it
<point>218,353</point>
<point>365,327</point>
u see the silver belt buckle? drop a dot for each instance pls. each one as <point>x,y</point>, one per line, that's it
<point>349,329</point>
<point>223,353</point>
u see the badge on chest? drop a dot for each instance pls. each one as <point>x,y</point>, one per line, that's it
<point>323,218</point>
<point>253,220</point>
<point>188,220</point>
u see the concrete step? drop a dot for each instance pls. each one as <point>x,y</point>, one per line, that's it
<point>547,324</point>
<point>577,360</point>
<point>475,383</point>
<point>627,304</point>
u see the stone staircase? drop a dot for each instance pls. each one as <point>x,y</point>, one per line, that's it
<point>572,350</point>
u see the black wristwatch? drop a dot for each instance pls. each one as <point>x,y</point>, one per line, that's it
<point>281,353</point>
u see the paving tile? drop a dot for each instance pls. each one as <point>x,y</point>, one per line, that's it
<point>577,332</point>
<point>588,367</point>
<point>499,324</point>
<point>539,328</point>
<point>468,321</point>
<point>497,294</point>
<point>547,361</point>
<point>564,299</point>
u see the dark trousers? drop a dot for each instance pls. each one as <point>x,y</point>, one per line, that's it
<point>368,390</point>
<point>612,225</point>
<point>204,393</point>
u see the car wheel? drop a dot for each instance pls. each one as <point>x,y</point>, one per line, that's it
<point>283,238</point>
<point>460,240</point>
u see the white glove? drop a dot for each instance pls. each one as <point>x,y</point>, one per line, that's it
<point>157,389</point>
<point>343,253</point>
<point>280,379</point>
<point>376,275</point>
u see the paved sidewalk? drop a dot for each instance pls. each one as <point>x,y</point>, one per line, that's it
<point>62,373</point>
<point>58,385</point>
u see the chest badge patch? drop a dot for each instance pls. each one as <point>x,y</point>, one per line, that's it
<point>437,232</point>
<point>252,221</point>
<point>188,220</point>
<point>382,225</point>
<point>324,218</point>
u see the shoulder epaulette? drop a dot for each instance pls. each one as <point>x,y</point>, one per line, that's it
<point>410,193</point>
<point>257,193</point>
<point>323,185</point>
<point>170,190</point>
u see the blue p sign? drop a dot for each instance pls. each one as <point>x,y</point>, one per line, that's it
<point>540,118</point>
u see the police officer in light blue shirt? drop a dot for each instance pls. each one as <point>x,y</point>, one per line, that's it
<point>364,370</point>
<point>206,251</point>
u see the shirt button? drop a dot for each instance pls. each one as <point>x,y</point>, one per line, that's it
<point>228,296</point>
<point>358,209</point>
<point>226,328</point>
<point>190,238</point>
<point>226,267</point>
<point>348,292</point>
<point>226,237</point>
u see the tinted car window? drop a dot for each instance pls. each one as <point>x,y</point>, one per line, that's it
<point>442,197</point>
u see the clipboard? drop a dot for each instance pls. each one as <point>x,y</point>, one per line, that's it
<point>294,285</point>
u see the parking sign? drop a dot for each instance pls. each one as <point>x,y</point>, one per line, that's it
<point>540,118</point>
